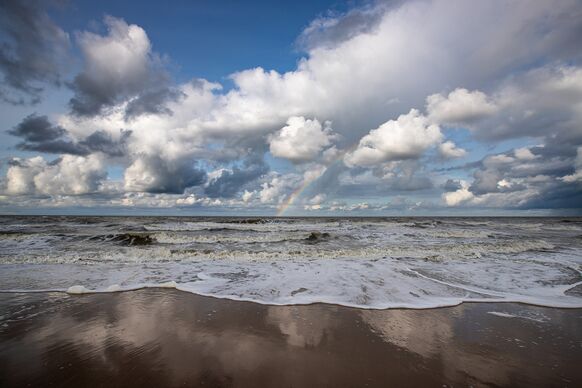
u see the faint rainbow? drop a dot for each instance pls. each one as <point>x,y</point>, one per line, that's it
<point>295,194</point>
<point>306,183</point>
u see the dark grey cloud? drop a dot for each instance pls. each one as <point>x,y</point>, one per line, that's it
<point>506,166</point>
<point>90,97</point>
<point>101,141</point>
<point>176,180</point>
<point>153,174</point>
<point>543,102</point>
<point>94,95</point>
<point>331,30</point>
<point>33,50</point>
<point>138,78</point>
<point>452,185</point>
<point>486,181</point>
<point>55,147</point>
<point>16,162</point>
<point>533,181</point>
<point>557,195</point>
<point>231,182</point>
<point>153,102</point>
<point>39,134</point>
<point>37,129</point>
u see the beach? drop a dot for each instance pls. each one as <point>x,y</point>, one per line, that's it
<point>162,337</point>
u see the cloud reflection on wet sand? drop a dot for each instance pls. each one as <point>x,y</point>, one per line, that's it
<point>170,338</point>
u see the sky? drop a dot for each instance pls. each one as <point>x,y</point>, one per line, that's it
<point>346,108</point>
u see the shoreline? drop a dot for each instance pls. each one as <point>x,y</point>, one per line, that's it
<point>248,300</point>
<point>169,337</point>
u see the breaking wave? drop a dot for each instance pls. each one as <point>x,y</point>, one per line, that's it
<point>366,263</point>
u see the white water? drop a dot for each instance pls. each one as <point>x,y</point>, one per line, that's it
<point>362,263</point>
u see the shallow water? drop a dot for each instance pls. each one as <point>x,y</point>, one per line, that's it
<point>361,262</point>
<point>166,338</point>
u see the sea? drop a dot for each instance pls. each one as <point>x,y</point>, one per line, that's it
<point>370,263</point>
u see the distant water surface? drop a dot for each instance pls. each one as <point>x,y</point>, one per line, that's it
<point>361,262</point>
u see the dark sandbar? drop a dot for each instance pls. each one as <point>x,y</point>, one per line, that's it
<point>158,337</point>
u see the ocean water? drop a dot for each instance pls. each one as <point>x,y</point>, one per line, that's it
<point>362,262</point>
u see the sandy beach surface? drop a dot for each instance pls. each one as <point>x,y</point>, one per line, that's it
<point>161,337</point>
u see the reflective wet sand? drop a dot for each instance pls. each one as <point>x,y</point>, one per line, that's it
<point>159,337</point>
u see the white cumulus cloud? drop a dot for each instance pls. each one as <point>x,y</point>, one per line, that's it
<point>404,138</point>
<point>301,140</point>
<point>67,175</point>
<point>457,197</point>
<point>460,107</point>
<point>449,150</point>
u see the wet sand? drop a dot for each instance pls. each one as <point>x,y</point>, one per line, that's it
<point>160,337</point>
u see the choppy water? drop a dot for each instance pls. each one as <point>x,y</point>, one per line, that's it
<point>363,262</point>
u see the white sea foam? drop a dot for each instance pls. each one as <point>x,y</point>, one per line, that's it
<point>500,314</point>
<point>77,289</point>
<point>536,317</point>
<point>113,288</point>
<point>361,283</point>
<point>362,263</point>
